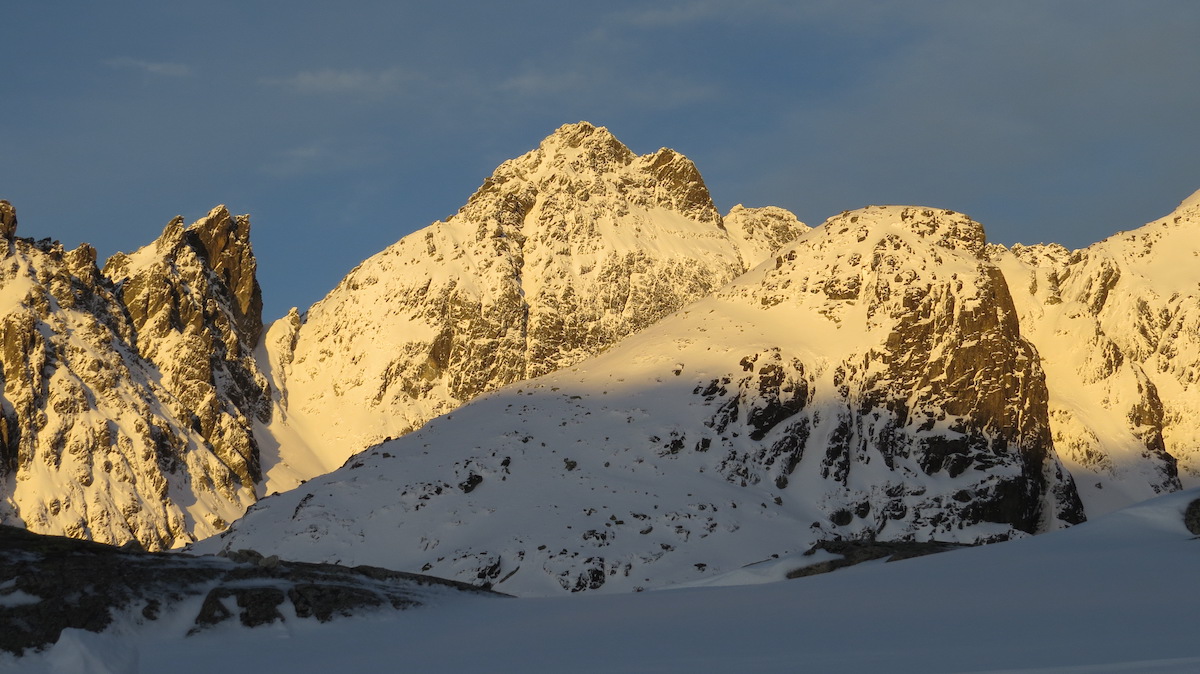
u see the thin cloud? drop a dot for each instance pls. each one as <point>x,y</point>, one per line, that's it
<point>326,156</point>
<point>689,12</point>
<point>150,67</point>
<point>333,82</point>
<point>533,83</point>
<point>607,87</point>
<point>674,15</point>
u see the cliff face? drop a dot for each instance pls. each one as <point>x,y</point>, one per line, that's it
<point>115,428</point>
<point>558,255</point>
<point>194,301</point>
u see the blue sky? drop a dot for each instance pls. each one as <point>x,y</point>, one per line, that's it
<point>342,126</point>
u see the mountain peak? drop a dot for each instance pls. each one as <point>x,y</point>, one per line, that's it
<point>585,165</point>
<point>759,232</point>
<point>944,228</point>
<point>560,253</point>
<point>582,134</point>
<point>223,240</point>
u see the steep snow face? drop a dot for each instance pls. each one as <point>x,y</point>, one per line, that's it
<point>95,442</point>
<point>1105,413</point>
<point>558,255</point>
<point>870,381</point>
<point>1117,325</point>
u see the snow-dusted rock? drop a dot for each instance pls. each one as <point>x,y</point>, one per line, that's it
<point>194,301</point>
<point>105,402</point>
<point>759,232</point>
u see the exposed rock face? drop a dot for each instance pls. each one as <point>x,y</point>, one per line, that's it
<point>938,381</point>
<point>559,254</point>
<point>853,552</point>
<point>54,583</point>
<point>8,220</point>
<point>194,300</point>
<point>114,427</point>
<point>1117,325</point>
<point>871,383</point>
<point>1191,517</point>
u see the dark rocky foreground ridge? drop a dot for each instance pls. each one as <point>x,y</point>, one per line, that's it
<point>51,583</point>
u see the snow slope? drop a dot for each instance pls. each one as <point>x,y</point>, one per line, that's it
<point>1116,594</point>
<point>868,382</point>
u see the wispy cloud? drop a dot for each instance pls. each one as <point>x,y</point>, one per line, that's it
<point>334,82</point>
<point>673,15</point>
<point>687,12</point>
<point>535,83</point>
<point>325,156</point>
<point>165,69</point>
<point>606,88</point>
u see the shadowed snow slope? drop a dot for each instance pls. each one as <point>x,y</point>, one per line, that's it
<point>1117,594</point>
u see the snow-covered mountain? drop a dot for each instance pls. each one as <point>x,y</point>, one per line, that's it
<point>886,375</point>
<point>868,382</point>
<point>127,398</point>
<point>1117,325</point>
<point>560,254</point>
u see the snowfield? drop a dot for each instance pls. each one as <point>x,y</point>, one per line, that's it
<point>1116,594</point>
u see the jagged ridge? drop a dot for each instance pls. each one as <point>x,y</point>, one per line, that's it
<point>126,399</point>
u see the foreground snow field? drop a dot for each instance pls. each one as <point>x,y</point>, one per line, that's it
<point>1117,594</point>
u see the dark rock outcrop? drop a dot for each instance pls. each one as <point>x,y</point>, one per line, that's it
<point>1191,517</point>
<point>856,552</point>
<point>8,220</point>
<point>53,583</point>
